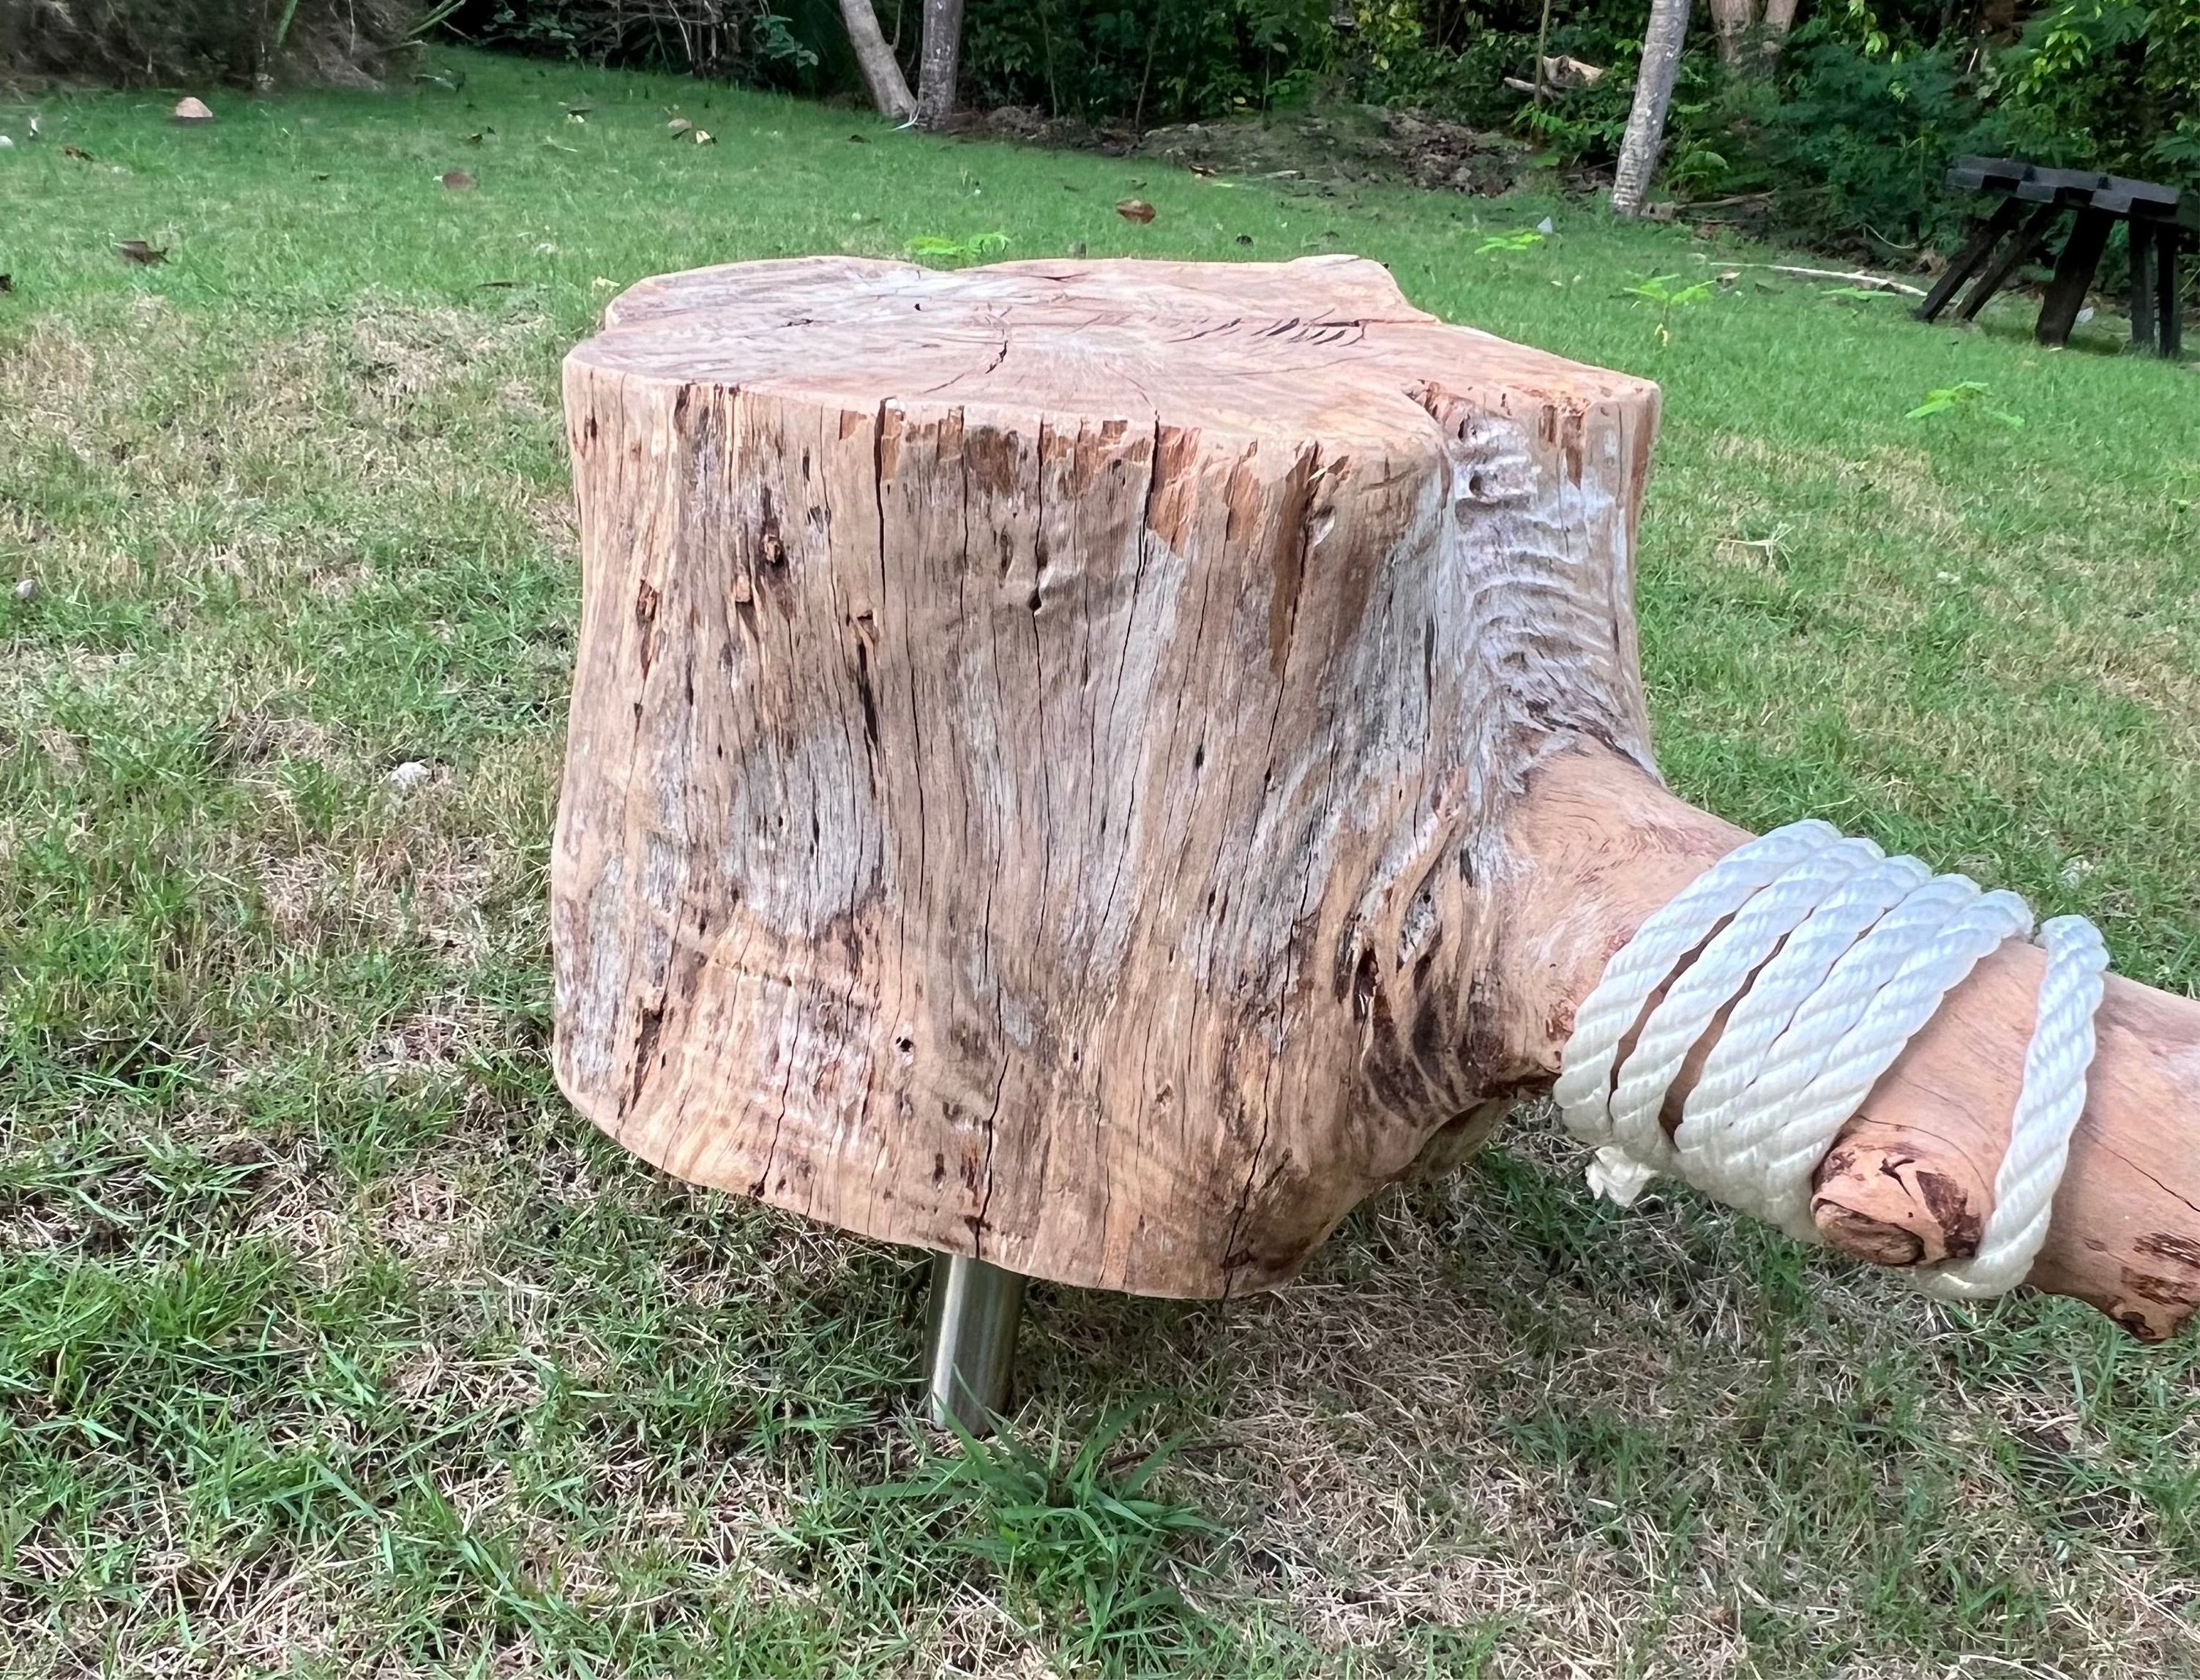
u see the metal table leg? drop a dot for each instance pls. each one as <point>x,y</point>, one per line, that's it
<point>970,1341</point>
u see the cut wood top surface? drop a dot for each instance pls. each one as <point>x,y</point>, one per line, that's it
<point>1322,348</point>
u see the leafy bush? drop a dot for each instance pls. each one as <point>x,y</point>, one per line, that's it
<point>1144,60</point>
<point>796,42</point>
<point>173,42</point>
<point>2107,84</point>
<point>1852,125</point>
<point>1858,144</point>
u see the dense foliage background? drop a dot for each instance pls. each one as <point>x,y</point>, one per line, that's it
<point>135,43</point>
<point>1849,124</point>
<point>1844,128</point>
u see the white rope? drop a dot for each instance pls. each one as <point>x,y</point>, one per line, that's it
<point>1832,956</point>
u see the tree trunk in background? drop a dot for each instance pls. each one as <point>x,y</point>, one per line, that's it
<point>1779,19</point>
<point>943,55</point>
<point>889,88</point>
<point>1731,19</point>
<point>1653,92</point>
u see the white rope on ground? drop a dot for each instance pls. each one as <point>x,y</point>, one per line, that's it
<point>1832,956</point>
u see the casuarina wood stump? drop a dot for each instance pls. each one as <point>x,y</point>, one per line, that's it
<point>1098,766</point>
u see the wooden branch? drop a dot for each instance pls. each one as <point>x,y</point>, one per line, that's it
<point>1910,1180</point>
<point>1857,278</point>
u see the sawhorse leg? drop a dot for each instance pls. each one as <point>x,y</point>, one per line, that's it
<point>1983,240</point>
<point>2142,282</point>
<point>2073,273</point>
<point>2166,309</point>
<point>2012,257</point>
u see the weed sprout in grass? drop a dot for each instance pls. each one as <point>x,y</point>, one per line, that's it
<point>1523,239</point>
<point>1660,291</point>
<point>1967,397</point>
<point>934,248</point>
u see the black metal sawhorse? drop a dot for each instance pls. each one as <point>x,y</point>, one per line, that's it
<point>2159,220</point>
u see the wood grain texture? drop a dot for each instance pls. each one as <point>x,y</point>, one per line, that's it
<point>1038,734</point>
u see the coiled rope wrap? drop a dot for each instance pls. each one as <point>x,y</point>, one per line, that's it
<point>1832,955</point>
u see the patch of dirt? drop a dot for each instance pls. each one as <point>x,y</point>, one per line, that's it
<point>1337,143</point>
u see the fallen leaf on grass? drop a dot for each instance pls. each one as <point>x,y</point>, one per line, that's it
<point>459,181</point>
<point>78,153</point>
<point>1135,210</point>
<point>190,110</point>
<point>703,137</point>
<point>678,127</point>
<point>137,251</point>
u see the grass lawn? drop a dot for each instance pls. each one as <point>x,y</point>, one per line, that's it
<point>332,1343</point>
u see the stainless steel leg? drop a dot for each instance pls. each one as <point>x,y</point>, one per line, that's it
<point>970,1341</point>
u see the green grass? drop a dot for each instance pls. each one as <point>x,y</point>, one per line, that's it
<point>332,1343</point>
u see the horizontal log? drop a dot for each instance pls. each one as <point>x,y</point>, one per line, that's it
<point>1908,1180</point>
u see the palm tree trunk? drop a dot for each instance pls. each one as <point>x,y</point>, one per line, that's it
<point>1653,92</point>
<point>889,88</point>
<point>943,55</point>
<point>1731,20</point>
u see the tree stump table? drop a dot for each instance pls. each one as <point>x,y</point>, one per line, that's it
<point>1093,768</point>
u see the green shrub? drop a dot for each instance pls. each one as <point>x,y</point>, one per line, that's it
<point>1143,62</point>
<point>1857,144</point>
<point>178,42</point>
<point>778,42</point>
<point>2106,85</point>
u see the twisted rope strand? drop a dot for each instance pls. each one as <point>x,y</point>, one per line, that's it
<point>2055,1065</point>
<point>1832,957</point>
<point>1671,933</point>
<point>1751,934</point>
<point>1784,984</point>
